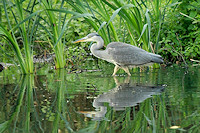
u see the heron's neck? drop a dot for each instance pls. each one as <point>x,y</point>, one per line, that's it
<point>97,45</point>
<point>95,49</point>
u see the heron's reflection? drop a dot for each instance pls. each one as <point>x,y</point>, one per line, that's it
<point>123,95</point>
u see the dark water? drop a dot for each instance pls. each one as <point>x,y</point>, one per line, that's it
<point>151,100</point>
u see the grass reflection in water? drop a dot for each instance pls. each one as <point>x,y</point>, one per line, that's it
<point>90,102</point>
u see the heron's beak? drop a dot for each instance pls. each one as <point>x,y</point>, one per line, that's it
<point>80,40</point>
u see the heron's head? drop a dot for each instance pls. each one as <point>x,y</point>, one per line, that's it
<point>89,38</point>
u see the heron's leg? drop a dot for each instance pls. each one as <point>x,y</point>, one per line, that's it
<point>115,70</point>
<point>126,70</point>
<point>116,81</point>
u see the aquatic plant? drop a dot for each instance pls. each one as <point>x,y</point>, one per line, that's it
<point>180,36</point>
<point>56,31</point>
<point>58,26</point>
<point>22,27</point>
<point>135,20</point>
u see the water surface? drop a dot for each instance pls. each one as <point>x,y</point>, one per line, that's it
<point>91,100</point>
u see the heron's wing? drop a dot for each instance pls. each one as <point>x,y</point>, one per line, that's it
<point>126,54</point>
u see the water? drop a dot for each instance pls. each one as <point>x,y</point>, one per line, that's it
<point>151,100</point>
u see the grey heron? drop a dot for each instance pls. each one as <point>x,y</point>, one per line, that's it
<point>122,55</point>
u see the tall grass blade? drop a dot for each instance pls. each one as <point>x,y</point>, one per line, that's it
<point>26,19</point>
<point>143,30</point>
<point>114,15</point>
<point>63,11</point>
<point>61,34</point>
<point>149,28</point>
<point>14,46</point>
<point>101,26</point>
<point>82,15</point>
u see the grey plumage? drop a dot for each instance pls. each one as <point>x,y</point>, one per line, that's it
<point>123,55</point>
<point>128,55</point>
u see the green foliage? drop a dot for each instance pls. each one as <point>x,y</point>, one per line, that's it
<point>133,24</point>
<point>57,28</point>
<point>76,54</point>
<point>22,26</point>
<point>181,34</point>
<point>167,27</point>
<point>58,25</point>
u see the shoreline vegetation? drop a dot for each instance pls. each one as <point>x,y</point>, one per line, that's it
<point>34,28</point>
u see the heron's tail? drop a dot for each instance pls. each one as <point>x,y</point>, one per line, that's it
<point>155,58</point>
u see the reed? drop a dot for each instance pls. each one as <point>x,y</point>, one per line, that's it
<point>116,19</point>
<point>54,32</point>
<point>58,24</point>
<point>84,8</point>
<point>137,20</point>
<point>24,27</point>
